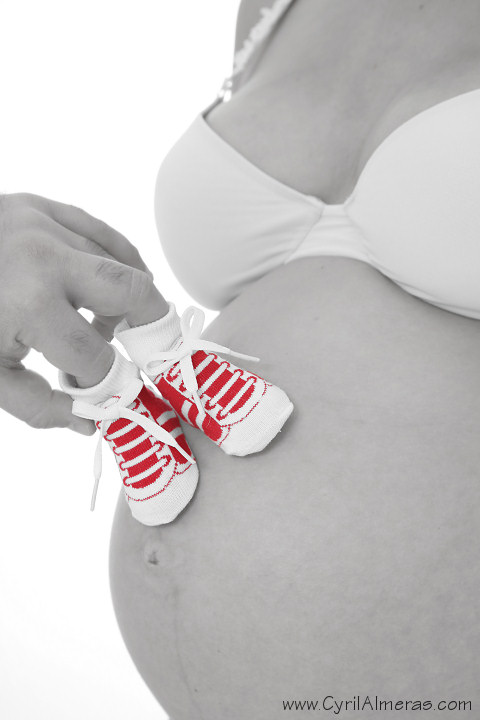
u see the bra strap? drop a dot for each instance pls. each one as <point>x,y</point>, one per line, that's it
<point>259,32</point>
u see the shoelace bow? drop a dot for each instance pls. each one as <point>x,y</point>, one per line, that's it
<point>116,411</point>
<point>191,325</point>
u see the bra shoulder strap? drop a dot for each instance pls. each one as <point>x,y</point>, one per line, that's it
<point>269,17</point>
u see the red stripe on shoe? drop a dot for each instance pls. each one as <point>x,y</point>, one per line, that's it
<point>176,454</point>
<point>172,395</point>
<point>132,434</point>
<point>144,465</point>
<point>151,478</point>
<point>210,427</point>
<point>171,424</point>
<point>155,405</point>
<point>193,415</point>
<point>227,397</point>
<point>217,384</point>
<point>198,357</point>
<point>244,399</point>
<point>207,372</point>
<point>135,451</point>
<point>118,425</point>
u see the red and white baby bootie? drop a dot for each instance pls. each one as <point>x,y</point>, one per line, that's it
<point>158,470</point>
<point>235,408</point>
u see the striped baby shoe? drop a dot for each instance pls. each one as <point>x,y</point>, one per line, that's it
<point>157,468</point>
<point>235,408</point>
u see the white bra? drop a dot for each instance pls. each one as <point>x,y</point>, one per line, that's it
<point>414,213</point>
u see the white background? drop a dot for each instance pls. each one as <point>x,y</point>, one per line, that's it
<point>92,95</point>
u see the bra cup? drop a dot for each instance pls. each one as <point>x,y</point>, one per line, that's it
<point>221,228</point>
<point>417,205</point>
<point>414,214</point>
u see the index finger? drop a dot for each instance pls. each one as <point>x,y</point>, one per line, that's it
<point>80,222</point>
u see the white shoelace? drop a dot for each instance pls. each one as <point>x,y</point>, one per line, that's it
<point>116,411</point>
<point>191,325</point>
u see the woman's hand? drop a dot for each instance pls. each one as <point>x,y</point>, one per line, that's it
<point>54,259</point>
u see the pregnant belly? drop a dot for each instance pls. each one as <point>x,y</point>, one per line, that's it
<point>343,560</point>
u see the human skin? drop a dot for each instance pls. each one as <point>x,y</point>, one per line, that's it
<point>55,259</point>
<point>342,560</point>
